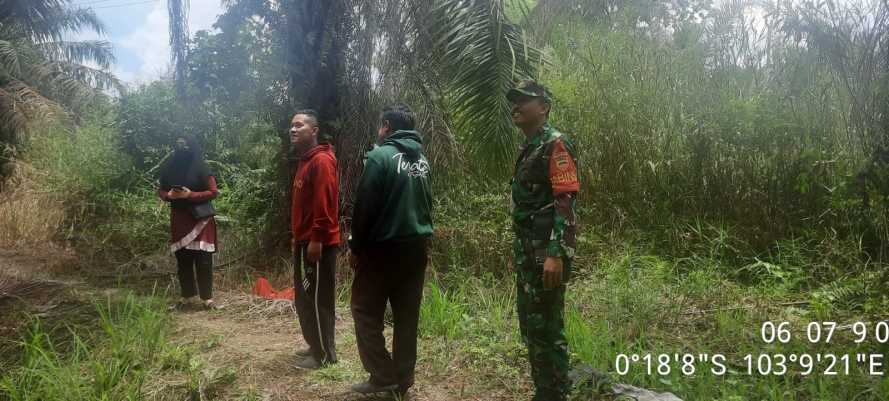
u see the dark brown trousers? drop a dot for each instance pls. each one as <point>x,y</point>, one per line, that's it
<point>390,273</point>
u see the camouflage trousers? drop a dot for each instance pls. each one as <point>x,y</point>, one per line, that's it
<point>542,323</point>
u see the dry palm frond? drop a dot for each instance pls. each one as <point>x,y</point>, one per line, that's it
<point>20,104</point>
<point>255,306</point>
<point>178,17</point>
<point>17,288</point>
<point>19,225</point>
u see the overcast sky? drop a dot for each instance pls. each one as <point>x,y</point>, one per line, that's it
<point>138,30</point>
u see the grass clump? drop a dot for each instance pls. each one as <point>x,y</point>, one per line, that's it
<point>115,367</point>
<point>125,358</point>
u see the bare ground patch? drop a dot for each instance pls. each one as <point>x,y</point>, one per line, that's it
<point>257,339</point>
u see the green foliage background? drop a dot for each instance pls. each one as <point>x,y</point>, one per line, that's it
<point>729,165</point>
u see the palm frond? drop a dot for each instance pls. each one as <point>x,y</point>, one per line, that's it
<point>93,78</point>
<point>42,76</point>
<point>55,24</point>
<point>88,51</point>
<point>21,104</point>
<point>30,15</point>
<point>854,41</point>
<point>20,288</point>
<point>483,54</point>
<point>10,62</point>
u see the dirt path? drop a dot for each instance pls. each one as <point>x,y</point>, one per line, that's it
<point>245,351</point>
<point>257,339</point>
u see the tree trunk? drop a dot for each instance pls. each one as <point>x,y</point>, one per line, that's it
<point>322,76</point>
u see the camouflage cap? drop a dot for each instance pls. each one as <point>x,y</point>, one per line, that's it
<point>529,88</point>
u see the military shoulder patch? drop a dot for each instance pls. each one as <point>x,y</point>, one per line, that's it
<point>562,159</point>
<point>562,170</point>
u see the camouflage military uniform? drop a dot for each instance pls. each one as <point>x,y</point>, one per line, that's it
<point>544,186</point>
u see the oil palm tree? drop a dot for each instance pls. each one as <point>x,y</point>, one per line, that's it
<point>42,74</point>
<point>458,57</point>
<point>481,54</point>
<point>452,60</point>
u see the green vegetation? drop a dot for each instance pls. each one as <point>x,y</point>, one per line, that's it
<point>43,73</point>
<point>115,362</point>
<point>637,303</point>
<point>733,158</point>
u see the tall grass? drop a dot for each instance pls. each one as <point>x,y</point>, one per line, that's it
<point>102,202</point>
<point>129,355</point>
<point>441,314</point>
<point>114,366</point>
<point>633,302</point>
<point>666,134</point>
<point>108,203</point>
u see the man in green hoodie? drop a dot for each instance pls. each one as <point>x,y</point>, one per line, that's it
<point>391,226</point>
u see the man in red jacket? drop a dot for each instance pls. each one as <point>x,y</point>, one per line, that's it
<point>316,235</point>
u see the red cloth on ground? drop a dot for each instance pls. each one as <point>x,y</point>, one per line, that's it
<point>264,289</point>
<point>181,220</point>
<point>315,202</point>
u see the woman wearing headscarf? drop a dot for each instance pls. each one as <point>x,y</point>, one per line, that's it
<point>186,182</point>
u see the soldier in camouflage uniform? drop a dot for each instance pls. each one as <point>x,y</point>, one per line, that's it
<point>544,189</point>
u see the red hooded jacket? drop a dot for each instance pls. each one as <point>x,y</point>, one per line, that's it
<point>315,200</point>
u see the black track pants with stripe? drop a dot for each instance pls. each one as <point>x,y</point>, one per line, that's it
<point>315,301</point>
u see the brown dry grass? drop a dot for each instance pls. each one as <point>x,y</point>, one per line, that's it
<point>29,216</point>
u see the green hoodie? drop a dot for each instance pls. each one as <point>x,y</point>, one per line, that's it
<point>394,200</point>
